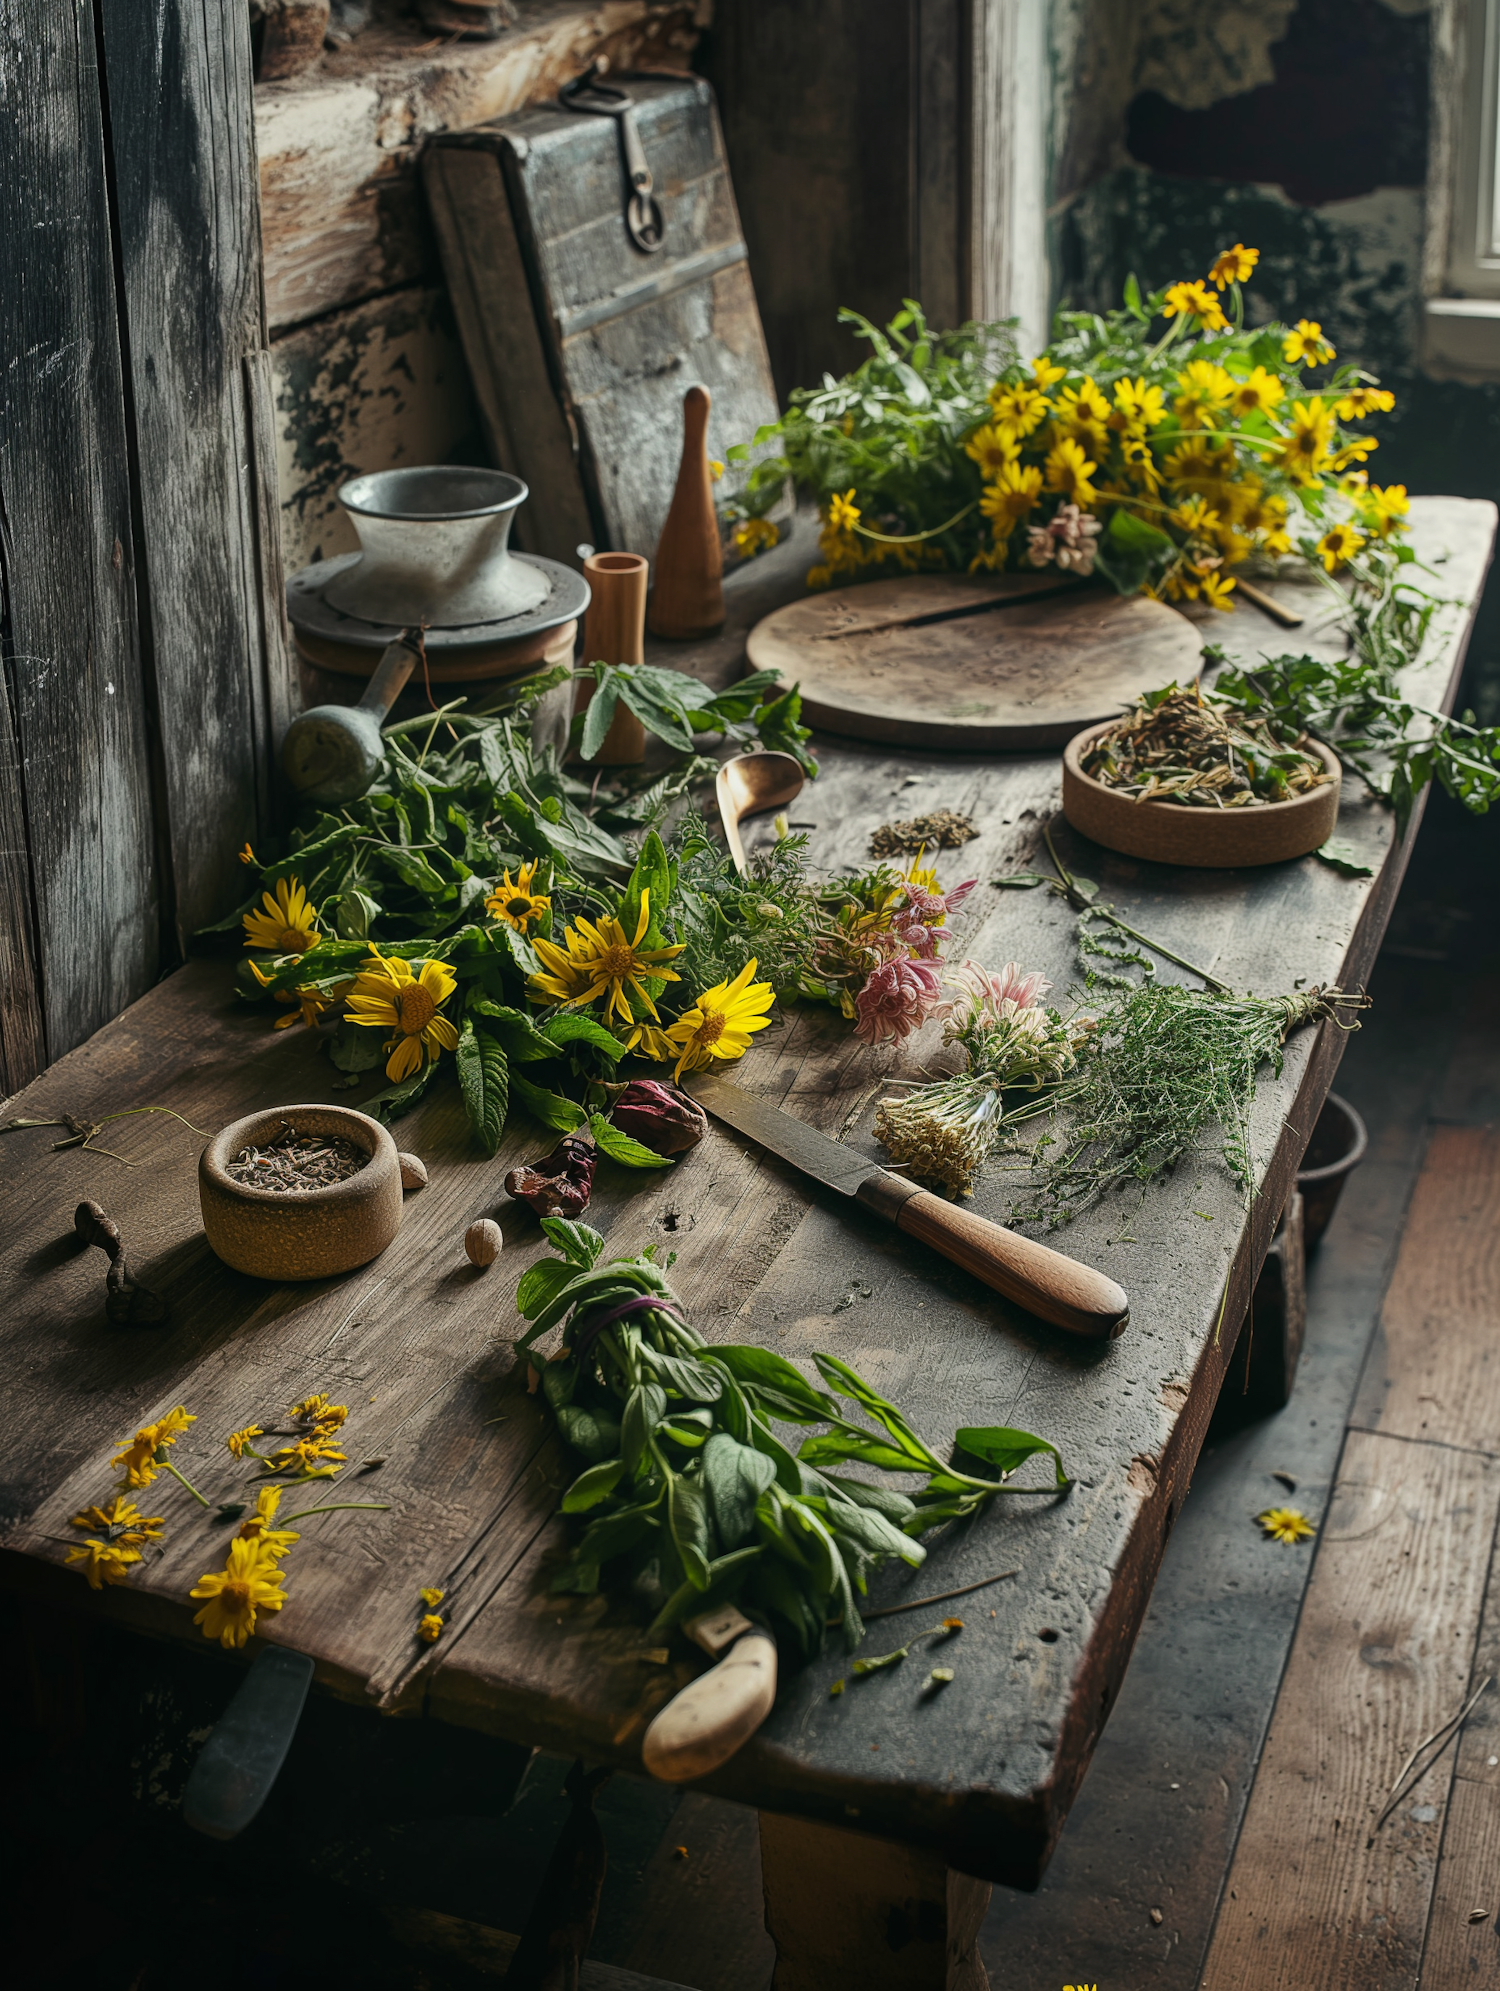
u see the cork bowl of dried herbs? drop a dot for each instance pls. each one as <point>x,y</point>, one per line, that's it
<point>300,1192</point>
<point>1183,779</point>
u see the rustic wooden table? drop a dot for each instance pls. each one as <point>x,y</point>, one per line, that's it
<point>971,1786</point>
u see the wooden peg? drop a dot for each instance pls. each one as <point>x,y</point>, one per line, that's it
<point>688,599</point>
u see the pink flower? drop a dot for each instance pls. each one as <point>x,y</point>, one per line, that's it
<point>990,991</point>
<point>1067,537</point>
<point>914,922</point>
<point>898,998</point>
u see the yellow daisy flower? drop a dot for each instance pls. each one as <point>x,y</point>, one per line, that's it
<point>722,1021</point>
<point>1217,589</point>
<point>1339,544</point>
<point>843,513</point>
<point>1046,372</point>
<point>991,448</point>
<point>308,1004</point>
<point>1206,391</point>
<point>598,957</point>
<point>648,1041</point>
<point>387,996</point>
<point>432,1597</point>
<point>1257,394</point>
<point>1140,465</point>
<point>1139,404</point>
<point>1233,266</point>
<point>121,1521</point>
<point>1068,471</point>
<point>1194,515</point>
<point>1362,401</point>
<point>274,1542</point>
<point>1286,1524</point>
<point>431,1628</point>
<point>319,1411</point>
<point>1305,451</point>
<point>1082,412</point>
<point>248,1584</point>
<point>1355,451</point>
<point>137,1455</point>
<point>751,535</point>
<point>1194,300</point>
<point>239,1442</point>
<point>308,1455</point>
<point>104,1562</point>
<point>1305,342</point>
<point>1018,409</point>
<point>289,924</point>
<point>1385,507</point>
<point>1197,463</point>
<point>1012,495</point>
<point>516,903</point>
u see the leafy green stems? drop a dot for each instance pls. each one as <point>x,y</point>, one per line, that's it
<point>693,1498</point>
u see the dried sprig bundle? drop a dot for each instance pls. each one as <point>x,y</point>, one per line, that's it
<point>1176,745</point>
<point>1162,1064</point>
<point>943,1133</point>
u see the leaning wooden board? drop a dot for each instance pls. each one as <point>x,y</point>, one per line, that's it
<point>1001,661</point>
<point>419,1343</point>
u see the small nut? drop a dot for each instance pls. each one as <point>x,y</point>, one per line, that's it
<point>413,1172</point>
<point>483,1241</point>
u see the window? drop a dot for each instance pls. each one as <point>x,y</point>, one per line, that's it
<point>1461,333</point>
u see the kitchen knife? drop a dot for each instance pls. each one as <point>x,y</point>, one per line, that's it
<point>1058,1289</point>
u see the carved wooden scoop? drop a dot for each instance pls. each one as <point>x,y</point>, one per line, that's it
<point>748,785</point>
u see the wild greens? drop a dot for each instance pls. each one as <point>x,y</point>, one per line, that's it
<point>691,1498</point>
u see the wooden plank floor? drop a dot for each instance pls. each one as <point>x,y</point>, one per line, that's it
<point>1401,1622</point>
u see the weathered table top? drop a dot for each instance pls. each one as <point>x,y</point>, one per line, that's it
<point>418,1343</point>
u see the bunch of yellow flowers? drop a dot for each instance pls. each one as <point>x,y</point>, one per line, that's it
<point>1159,445</point>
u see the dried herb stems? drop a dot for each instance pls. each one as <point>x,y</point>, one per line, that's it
<point>1176,745</point>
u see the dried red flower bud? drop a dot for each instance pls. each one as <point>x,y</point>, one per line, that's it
<point>661,1117</point>
<point>560,1183</point>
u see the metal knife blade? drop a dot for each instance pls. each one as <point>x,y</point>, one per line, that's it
<point>828,1162</point>
<point>1059,1289</point>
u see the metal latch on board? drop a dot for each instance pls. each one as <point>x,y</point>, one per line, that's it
<point>643,217</point>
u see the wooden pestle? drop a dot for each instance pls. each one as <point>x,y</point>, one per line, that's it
<point>688,598</point>
<point>614,632</point>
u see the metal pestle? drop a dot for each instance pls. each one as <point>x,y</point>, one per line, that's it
<point>331,753</point>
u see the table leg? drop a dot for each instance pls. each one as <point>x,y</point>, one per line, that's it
<point>842,1908</point>
<point>1266,1368</point>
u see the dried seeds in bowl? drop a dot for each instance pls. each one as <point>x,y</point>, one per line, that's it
<point>1179,745</point>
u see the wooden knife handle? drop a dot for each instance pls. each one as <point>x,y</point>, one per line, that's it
<point>1043,1281</point>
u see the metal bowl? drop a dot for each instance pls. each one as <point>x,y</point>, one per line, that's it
<point>435,549</point>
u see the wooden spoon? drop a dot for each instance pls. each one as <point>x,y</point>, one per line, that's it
<point>748,785</point>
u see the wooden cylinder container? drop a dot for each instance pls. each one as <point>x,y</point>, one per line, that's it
<point>614,632</point>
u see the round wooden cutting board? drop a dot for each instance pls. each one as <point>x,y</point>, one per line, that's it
<point>947,660</point>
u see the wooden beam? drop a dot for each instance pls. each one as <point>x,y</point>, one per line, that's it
<point>183,152</point>
<point>78,770</point>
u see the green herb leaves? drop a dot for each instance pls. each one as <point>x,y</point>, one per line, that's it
<point>689,1494</point>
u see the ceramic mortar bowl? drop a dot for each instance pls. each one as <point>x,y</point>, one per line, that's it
<point>302,1233</point>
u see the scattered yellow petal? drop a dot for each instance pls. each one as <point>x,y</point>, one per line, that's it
<point>431,1598</point>
<point>431,1628</point>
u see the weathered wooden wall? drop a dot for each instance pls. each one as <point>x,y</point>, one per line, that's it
<point>140,621</point>
<point>368,367</point>
<point>847,140</point>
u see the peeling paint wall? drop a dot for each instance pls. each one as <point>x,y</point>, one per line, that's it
<point>368,389</point>
<point>1301,127</point>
